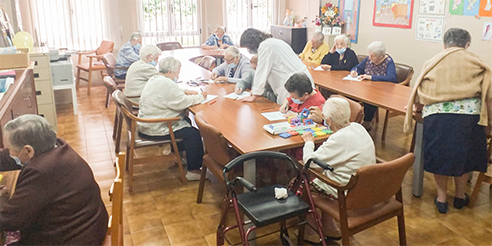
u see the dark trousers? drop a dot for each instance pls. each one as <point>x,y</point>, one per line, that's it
<point>369,111</point>
<point>191,143</point>
<point>121,76</point>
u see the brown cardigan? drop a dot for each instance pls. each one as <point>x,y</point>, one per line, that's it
<point>56,201</point>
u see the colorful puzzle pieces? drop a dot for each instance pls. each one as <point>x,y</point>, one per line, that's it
<point>315,131</point>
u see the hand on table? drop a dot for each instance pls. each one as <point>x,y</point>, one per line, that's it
<point>238,90</point>
<point>353,73</point>
<point>251,98</point>
<point>284,108</point>
<point>315,114</point>
<point>307,137</point>
<point>214,76</point>
<point>223,46</point>
<point>191,92</point>
<point>221,79</point>
<point>204,94</point>
<point>326,67</point>
<point>365,77</point>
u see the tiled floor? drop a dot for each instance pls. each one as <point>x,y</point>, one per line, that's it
<point>162,211</point>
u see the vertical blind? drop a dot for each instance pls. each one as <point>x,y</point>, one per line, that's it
<point>72,24</point>
<point>242,14</point>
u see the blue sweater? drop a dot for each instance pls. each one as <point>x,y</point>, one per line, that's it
<point>390,70</point>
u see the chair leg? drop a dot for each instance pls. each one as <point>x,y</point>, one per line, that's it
<point>203,176</point>
<point>107,99</point>
<point>473,197</point>
<point>130,169</point>
<point>401,229</point>
<point>302,227</point>
<point>89,81</point>
<point>376,115</point>
<point>181,169</point>
<point>345,239</point>
<point>119,127</point>
<point>385,125</point>
<point>115,125</point>
<point>77,81</point>
<point>223,218</point>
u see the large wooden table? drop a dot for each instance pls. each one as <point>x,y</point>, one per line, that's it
<point>242,124</point>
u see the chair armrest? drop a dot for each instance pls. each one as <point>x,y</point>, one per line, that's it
<point>126,68</point>
<point>85,53</point>
<point>95,56</point>
<point>330,182</point>
<point>160,120</point>
<point>379,160</point>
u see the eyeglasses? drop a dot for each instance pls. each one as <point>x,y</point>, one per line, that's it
<point>229,60</point>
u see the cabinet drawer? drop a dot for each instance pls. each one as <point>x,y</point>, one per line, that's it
<point>49,113</point>
<point>24,104</point>
<point>42,61</point>
<point>44,92</point>
<point>42,74</point>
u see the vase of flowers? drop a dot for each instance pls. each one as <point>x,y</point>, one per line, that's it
<point>317,24</point>
<point>330,17</point>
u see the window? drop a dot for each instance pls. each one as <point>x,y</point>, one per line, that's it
<point>243,14</point>
<point>169,20</point>
<point>72,24</point>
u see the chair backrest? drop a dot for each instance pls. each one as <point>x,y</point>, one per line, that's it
<point>116,197</point>
<point>111,86</point>
<point>361,57</point>
<point>207,62</point>
<point>122,102</point>
<point>378,182</point>
<point>109,62</point>
<point>215,143</point>
<point>356,109</point>
<point>105,47</point>
<point>404,73</point>
<point>169,46</point>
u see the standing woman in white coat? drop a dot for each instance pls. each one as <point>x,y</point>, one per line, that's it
<point>276,63</point>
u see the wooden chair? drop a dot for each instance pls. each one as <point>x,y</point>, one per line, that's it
<point>94,64</point>
<point>115,225</point>
<point>356,109</point>
<point>483,177</point>
<point>208,62</point>
<point>372,195</point>
<point>217,153</point>
<point>135,142</point>
<point>404,74</point>
<point>109,62</point>
<point>169,46</point>
<point>361,57</point>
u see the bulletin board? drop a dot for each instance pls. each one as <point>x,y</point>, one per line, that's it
<point>349,10</point>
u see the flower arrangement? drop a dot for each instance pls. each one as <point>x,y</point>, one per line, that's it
<point>330,16</point>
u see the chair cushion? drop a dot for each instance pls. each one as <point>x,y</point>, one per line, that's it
<point>263,209</point>
<point>357,217</point>
<point>145,142</point>
<point>95,66</point>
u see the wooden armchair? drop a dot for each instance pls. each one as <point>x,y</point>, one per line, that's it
<point>109,62</point>
<point>483,177</point>
<point>135,142</point>
<point>207,62</point>
<point>356,109</point>
<point>361,57</point>
<point>217,153</point>
<point>94,63</point>
<point>169,46</point>
<point>373,195</point>
<point>115,225</point>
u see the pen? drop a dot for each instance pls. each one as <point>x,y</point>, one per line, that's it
<point>201,89</point>
<point>212,102</point>
<point>263,109</point>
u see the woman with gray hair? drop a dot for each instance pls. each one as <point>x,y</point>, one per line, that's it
<point>128,54</point>
<point>141,71</point>
<point>162,98</point>
<point>346,150</point>
<point>454,94</point>
<point>340,57</point>
<point>378,66</point>
<point>56,199</point>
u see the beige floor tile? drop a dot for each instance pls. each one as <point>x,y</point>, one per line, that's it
<point>152,237</point>
<point>176,232</point>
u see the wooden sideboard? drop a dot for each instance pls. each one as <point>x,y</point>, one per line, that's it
<point>19,99</point>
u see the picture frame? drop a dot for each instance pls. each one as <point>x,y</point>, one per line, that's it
<point>393,13</point>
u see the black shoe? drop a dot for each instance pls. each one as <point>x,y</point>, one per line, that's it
<point>332,238</point>
<point>442,207</point>
<point>459,203</point>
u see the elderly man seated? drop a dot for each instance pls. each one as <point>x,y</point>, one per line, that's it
<point>235,67</point>
<point>141,71</point>
<point>348,148</point>
<point>128,54</point>
<point>162,98</point>
<point>247,82</point>
<point>316,49</point>
<point>56,200</point>
<point>218,40</point>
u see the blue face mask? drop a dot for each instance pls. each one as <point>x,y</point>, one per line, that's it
<point>175,79</point>
<point>232,65</point>
<point>153,63</point>
<point>17,160</point>
<point>296,101</point>
<point>137,46</point>
<point>341,51</point>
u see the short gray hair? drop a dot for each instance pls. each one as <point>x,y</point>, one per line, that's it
<point>169,64</point>
<point>233,51</point>
<point>456,37</point>
<point>135,36</point>
<point>149,50</point>
<point>337,110</point>
<point>220,28</point>
<point>377,47</point>
<point>340,37</point>
<point>33,130</point>
<point>319,36</point>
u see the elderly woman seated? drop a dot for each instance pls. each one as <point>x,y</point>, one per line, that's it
<point>162,98</point>
<point>348,148</point>
<point>378,66</point>
<point>56,200</point>
<point>340,56</point>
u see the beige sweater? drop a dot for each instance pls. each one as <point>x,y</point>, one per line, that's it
<point>453,74</point>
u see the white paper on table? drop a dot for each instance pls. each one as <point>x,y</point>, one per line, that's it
<point>236,96</point>
<point>209,81</point>
<point>318,68</point>
<point>209,98</point>
<point>349,77</point>
<point>273,116</point>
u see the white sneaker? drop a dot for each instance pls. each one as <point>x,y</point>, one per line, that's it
<point>166,150</point>
<point>190,176</point>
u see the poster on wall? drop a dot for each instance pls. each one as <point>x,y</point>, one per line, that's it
<point>471,7</point>
<point>429,28</point>
<point>485,8</point>
<point>349,10</point>
<point>487,31</point>
<point>435,7</point>
<point>456,7</point>
<point>393,13</point>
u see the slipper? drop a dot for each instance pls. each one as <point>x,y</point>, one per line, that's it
<point>332,238</point>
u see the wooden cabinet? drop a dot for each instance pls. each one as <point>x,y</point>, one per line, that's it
<point>19,99</point>
<point>296,37</point>
<point>44,85</point>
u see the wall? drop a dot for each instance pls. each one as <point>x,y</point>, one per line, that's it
<point>309,8</point>
<point>401,43</point>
